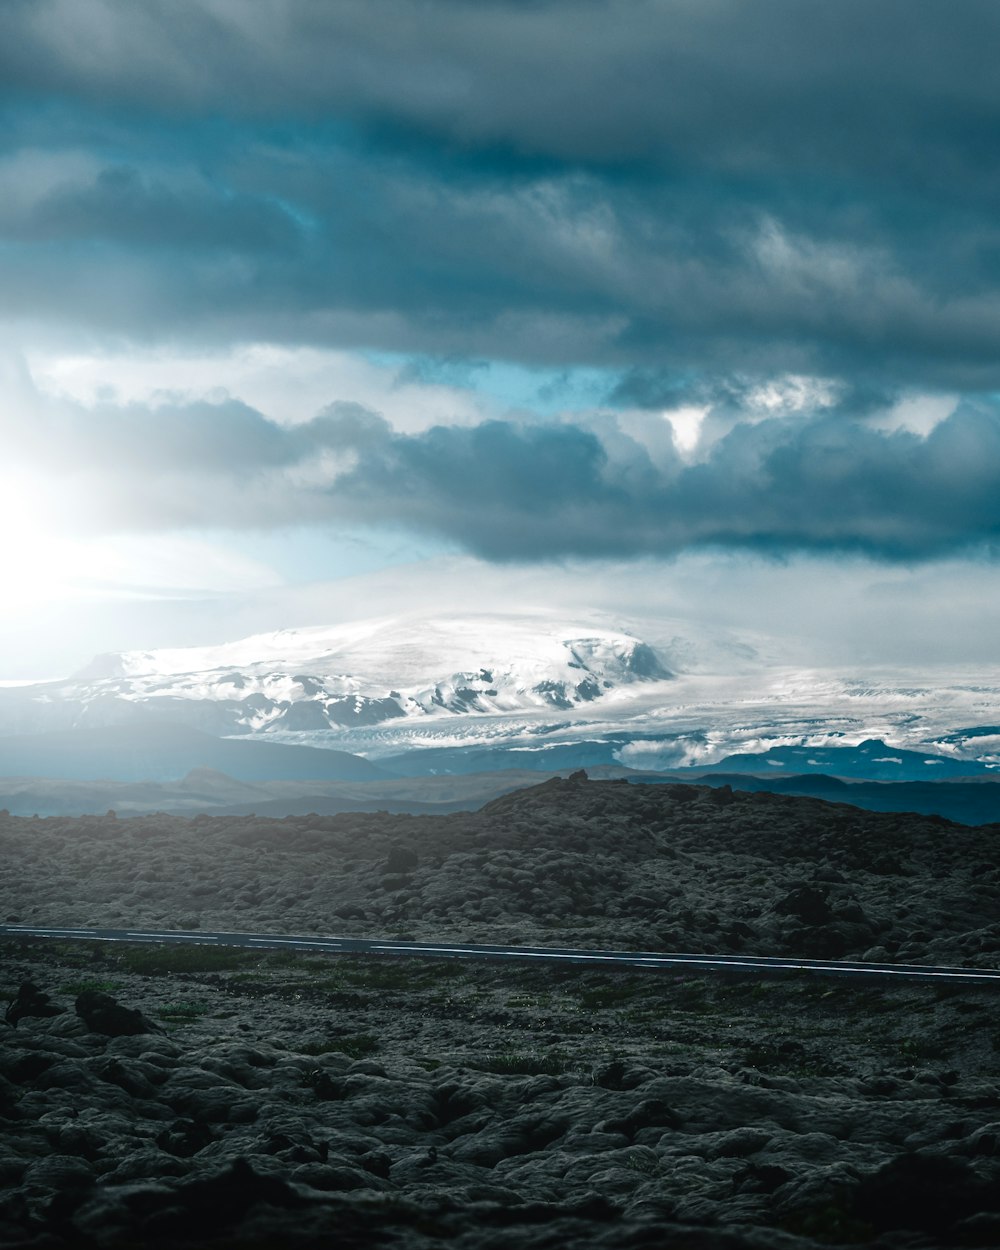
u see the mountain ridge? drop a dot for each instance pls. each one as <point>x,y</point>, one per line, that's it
<point>325,679</point>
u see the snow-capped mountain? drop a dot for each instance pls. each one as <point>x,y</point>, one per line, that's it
<point>350,676</point>
<point>521,690</point>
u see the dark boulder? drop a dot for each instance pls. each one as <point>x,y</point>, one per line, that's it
<point>925,1192</point>
<point>806,903</point>
<point>205,1207</point>
<point>184,1138</point>
<point>30,1001</point>
<point>651,1113</point>
<point>817,942</point>
<point>103,1014</point>
<point>722,796</point>
<point>401,860</point>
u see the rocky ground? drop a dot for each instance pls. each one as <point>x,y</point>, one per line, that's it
<point>280,1100</point>
<point>672,867</point>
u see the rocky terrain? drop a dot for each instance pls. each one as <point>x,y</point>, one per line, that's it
<point>569,862</point>
<point>200,1096</point>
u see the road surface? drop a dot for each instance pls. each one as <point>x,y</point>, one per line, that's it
<point>759,965</point>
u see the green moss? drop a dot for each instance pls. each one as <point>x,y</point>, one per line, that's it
<point>603,997</point>
<point>911,1048</point>
<point>521,1063</point>
<point>81,987</point>
<point>355,1047</point>
<point>644,1164</point>
<point>528,1001</point>
<point>182,1012</point>
<point>160,960</point>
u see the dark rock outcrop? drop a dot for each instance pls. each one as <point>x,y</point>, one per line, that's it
<point>103,1014</point>
<point>30,1001</point>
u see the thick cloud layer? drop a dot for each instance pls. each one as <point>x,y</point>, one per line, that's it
<point>521,491</point>
<point>706,204</point>
<point>699,189</point>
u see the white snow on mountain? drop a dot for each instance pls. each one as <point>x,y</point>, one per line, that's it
<point>316,679</point>
<point>379,687</point>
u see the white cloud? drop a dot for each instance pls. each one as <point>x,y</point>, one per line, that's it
<point>686,426</point>
<point>788,394</point>
<point>917,413</point>
<point>289,384</point>
<point>167,563</point>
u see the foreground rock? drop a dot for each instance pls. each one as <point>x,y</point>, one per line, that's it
<point>30,1001</point>
<point>102,1013</point>
<point>203,1096</point>
<point>302,1102</point>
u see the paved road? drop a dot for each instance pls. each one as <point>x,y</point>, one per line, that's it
<point>759,965</point>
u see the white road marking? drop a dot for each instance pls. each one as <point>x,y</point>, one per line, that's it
<point>40,930</point>
<point>188,937</point>
<point>360,946</point>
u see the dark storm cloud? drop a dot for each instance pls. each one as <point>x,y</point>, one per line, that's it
<point>513,491</point>
<point>121,206</point>
<point>662,390</point>
<point>697,188</point>
<point>567,79</point>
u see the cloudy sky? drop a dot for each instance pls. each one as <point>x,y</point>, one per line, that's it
<point>684,307</point>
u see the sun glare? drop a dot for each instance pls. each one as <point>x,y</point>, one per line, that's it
<point>39,561</point>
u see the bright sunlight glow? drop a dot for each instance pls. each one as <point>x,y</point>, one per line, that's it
<point>39,562</point>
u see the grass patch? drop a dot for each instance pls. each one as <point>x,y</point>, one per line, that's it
<point>160,960</point>
<point>642,1015</point>
<point>81,987</point>
<point>645,1165</point>
<point>790,1059</point>
<point>385,977</point>
<point>72,954</point>
<point>911,1048</point>
<point>404,974</point>
<point>319,1048</point>
<point>292,959</point>
<point>747,991</point>
<point>522,1001</point>
<point>521,1063</point>
<point>604,997</point>
<point>182,1012</point>
<point>691,996</point>
<point>363,972</point>
<point>356,1046</point>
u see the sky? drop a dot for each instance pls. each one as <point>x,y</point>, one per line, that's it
<point>683,308</point>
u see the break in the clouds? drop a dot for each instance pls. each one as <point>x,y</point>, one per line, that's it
<point>689,190</point>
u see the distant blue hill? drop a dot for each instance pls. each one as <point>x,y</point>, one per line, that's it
<point>871,760</point>
<point>969,802</point>
<point>163,752</point>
